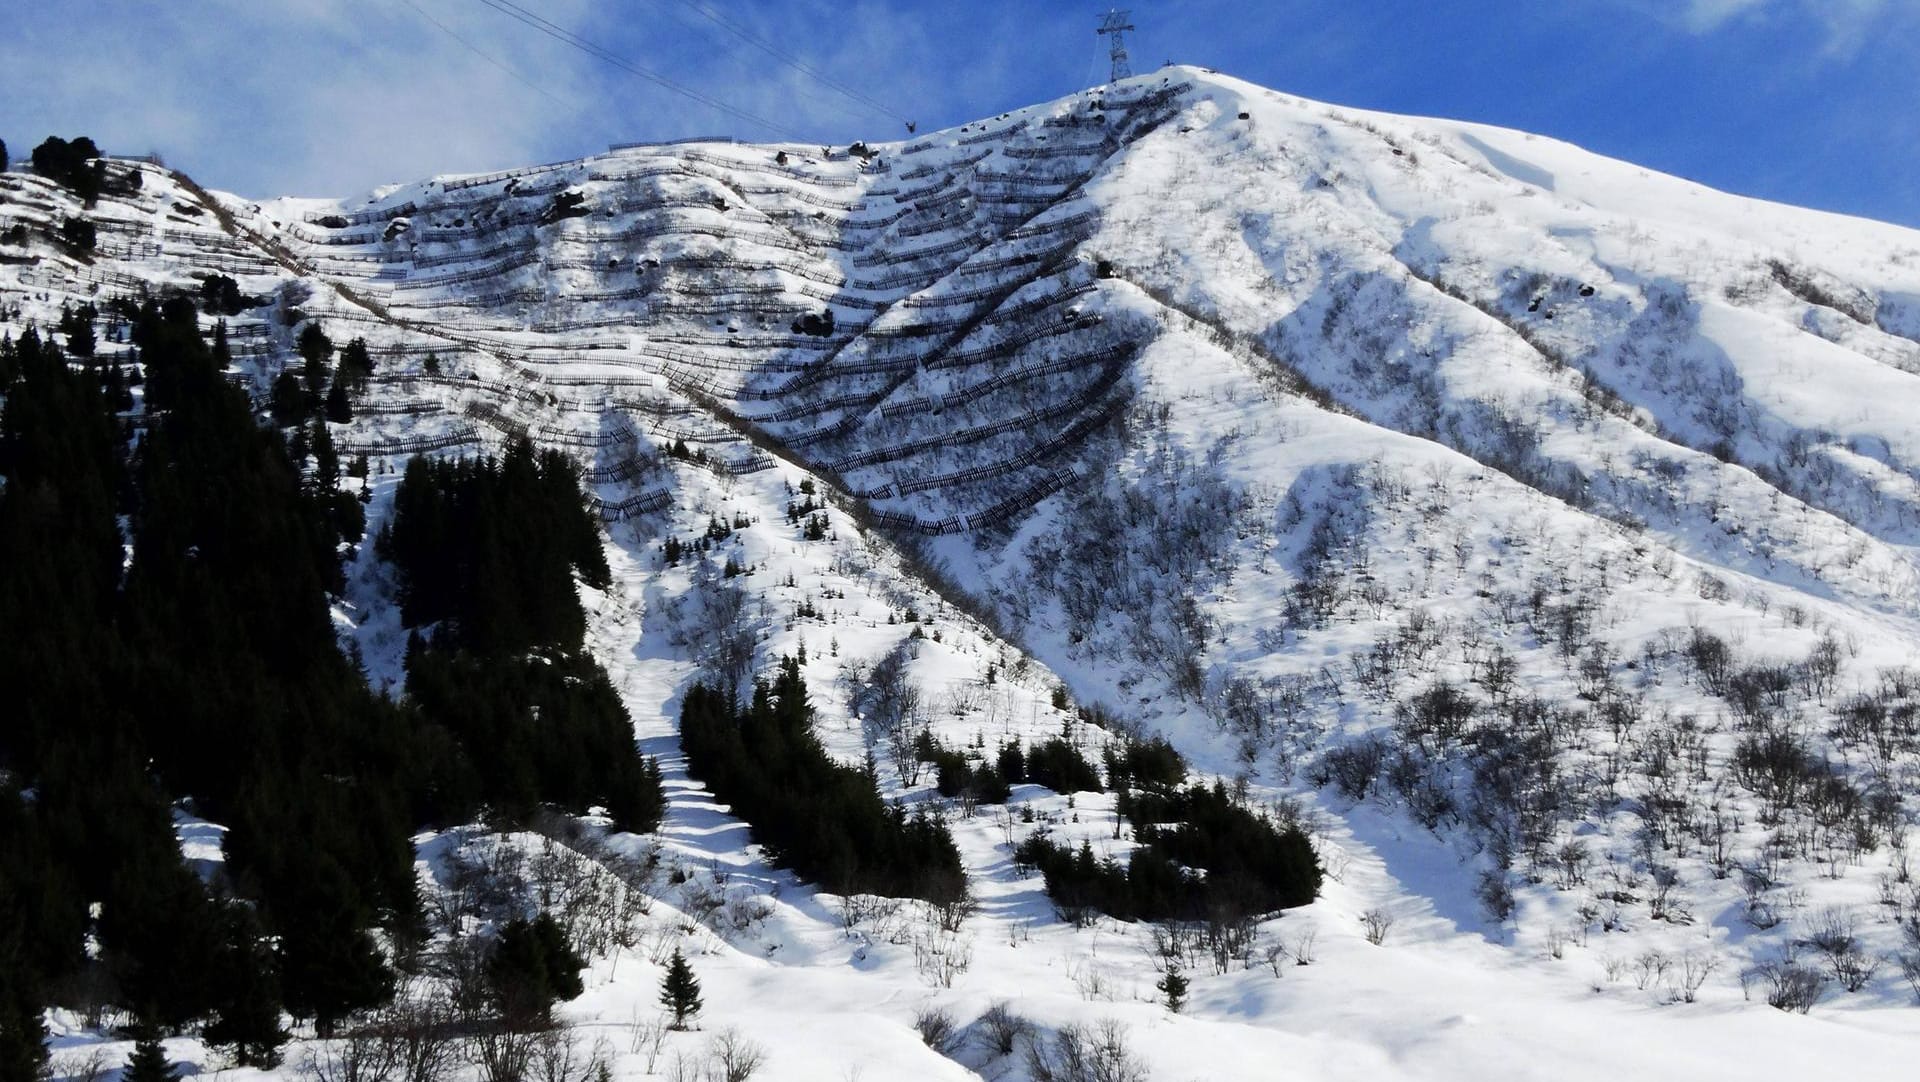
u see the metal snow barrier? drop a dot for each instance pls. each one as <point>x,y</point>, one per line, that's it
<point>382,215</point>
<point>736,165</point>
<point>492,270</point>
<point>931,252</point>
<point>461,183</point>
<point>1065,150</point>
<point>1066,441</point>
<point>996,133</point>
<point>644,503</point>
<point>419,445</point>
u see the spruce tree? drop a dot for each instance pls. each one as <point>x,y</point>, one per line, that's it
<point>315,349</point>
<point>288,403</point>
<point>1174,985</point>
<point>23,1035</point>
<point>531,967</point>
<point>680,990</point>
<point>149,1062</point>
<point>339,407</point>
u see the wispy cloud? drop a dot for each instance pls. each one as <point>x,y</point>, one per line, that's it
<point>335,96</point>
<point>1847,25</point>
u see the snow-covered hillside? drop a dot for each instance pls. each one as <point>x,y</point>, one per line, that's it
<point>1539,531</point>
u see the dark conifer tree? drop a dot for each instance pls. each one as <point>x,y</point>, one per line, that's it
<point>680,990</point>
<point>316,349</point>
<point>288,403</point>
<point>1174,987</point>
<point>149,1060</point>
<point>356,364</point>
<point>246,1009</point>
<point>532,968</point>
<point>339,410</point>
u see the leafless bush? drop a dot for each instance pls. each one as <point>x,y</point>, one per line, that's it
<point>942,956</point>
<point>363,1054</point>
<point>870,912</point>
<point>1091,980</point>
<point>1376,923</point>
<point>1002,1030</point>
<point>1352,768</point>
<point>502,1053</point>
<point>733,1058</point>
<point>81,1065</point>
<point>1275,955</point>
<point>1650,968</point>
<point>1789,986</point>
<point>744,912</point>
<point>1301,947</point>
<point>1077,1053</point>
<point>937,1029</point>
<point>557,1057</point>
<point>1557,940</point>
<point>647,1036</point>
<point>1695,968</point>
<point>1910,969</point>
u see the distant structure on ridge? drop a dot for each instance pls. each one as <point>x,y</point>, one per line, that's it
<point>1115,26</point>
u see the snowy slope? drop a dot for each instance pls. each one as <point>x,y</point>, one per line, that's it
<point>1254,421</point>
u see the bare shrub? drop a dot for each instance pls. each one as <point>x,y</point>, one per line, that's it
<point>1376,923</point>
<point>82,1065</point>
<point>422,1027</point>
<point>1077,1053</point>
<point>733,1058</point>
<point>1910,969</point>
<point>364,1054</point>
<point>1833,932</point>
<point>1695,968</point>
<point>1789,985</point>
<point>937,1029</point>
<point>1302,947</point>
<point>502,1053</point>
<point>557,1057</point>
<point>1650,968</point>
<point>1002,1030</point>
<point>647,1036</point>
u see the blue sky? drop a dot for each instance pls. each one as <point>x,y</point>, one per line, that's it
<point>1804,101</point>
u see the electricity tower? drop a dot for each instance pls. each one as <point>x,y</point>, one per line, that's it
<point>1115,26</point>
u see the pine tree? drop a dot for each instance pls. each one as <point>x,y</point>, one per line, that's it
<point>288,403</point>
<point>23,1035</point>
<point>531,967</point>
<point>1174,984</point>
<point>149,1062</point>
<point>680,990</point>
<point>315,349</point>
<point>339,407</point>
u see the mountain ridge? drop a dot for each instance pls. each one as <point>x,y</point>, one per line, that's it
<point>1445,486</point>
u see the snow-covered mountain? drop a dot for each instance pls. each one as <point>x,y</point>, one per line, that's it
<point>1540,530</point>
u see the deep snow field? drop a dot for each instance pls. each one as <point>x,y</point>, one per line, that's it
<point>1252,421</point>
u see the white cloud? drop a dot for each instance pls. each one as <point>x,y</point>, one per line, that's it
<point>1848,24</point>
<point>330,97</point>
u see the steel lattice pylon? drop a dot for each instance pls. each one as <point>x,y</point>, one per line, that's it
<point>1115,26</point>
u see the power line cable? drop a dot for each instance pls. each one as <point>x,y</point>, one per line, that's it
<point>475,50</point>
<point>568,37</point>
<point>792,61</point>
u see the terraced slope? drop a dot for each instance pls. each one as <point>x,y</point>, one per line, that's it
<point>1549,524</point>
